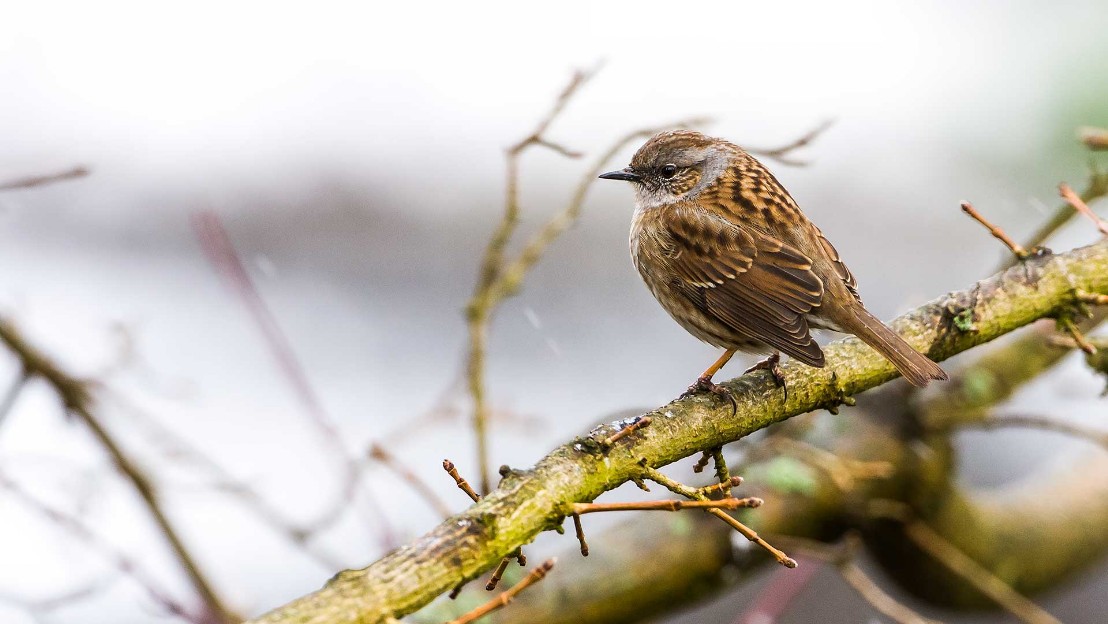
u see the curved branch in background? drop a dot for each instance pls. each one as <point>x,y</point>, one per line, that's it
<point>531,501</point>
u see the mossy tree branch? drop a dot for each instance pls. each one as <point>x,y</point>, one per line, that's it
<point>531,501</point>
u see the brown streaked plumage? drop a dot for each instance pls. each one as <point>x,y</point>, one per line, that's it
<point>730,256</point>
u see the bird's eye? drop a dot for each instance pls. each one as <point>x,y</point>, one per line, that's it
<point>668,171</point>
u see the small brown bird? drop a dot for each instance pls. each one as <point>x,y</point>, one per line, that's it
<point>731,257</point>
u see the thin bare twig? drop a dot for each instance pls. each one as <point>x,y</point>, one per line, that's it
<point>503,599</point>
<point>33,181</point>
<point>497,574</point>
<point>1080,206</point>
<point>122,562</point>
<point>76,398</point>
<point>580,531</point>
<point>694,494</point>
<point>997,233</point>
<point>463,485</point>
<point>780,154</point>
<point>1096,188</point>
<point>517,554</point>
<point>635,425</point>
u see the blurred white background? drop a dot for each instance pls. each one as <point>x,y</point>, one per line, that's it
<point>355,152</point>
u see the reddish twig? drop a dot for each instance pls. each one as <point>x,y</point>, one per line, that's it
<point>635,425</point>
<point>497,574</point>
<point>1080,206</point>
<point>463,485</point>
<point>692,493</point>
<point>998,233</point>
<point>503,599</point>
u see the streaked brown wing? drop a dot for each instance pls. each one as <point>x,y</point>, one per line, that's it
<point>745,280</point>
<point>840,267</point>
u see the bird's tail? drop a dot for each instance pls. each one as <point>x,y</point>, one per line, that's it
<point>913,365</point>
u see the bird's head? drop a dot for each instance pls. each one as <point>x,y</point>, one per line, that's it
<point>673,166</point>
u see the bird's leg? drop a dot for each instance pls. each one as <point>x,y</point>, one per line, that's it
<point>705,383</point>
<point>771,364</point>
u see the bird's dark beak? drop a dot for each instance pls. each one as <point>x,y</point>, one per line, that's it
<point>627,175</point>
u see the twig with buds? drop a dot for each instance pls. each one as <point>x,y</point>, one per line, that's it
<point>997,233</point>
<point>1096,188</point>
<point>1080,206</point>
<point>635,425</point>
<point>503,599</point>
<point>694,494</point>
<point>518,555</point>
<point>463,485</point>
<point>580,531</point>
